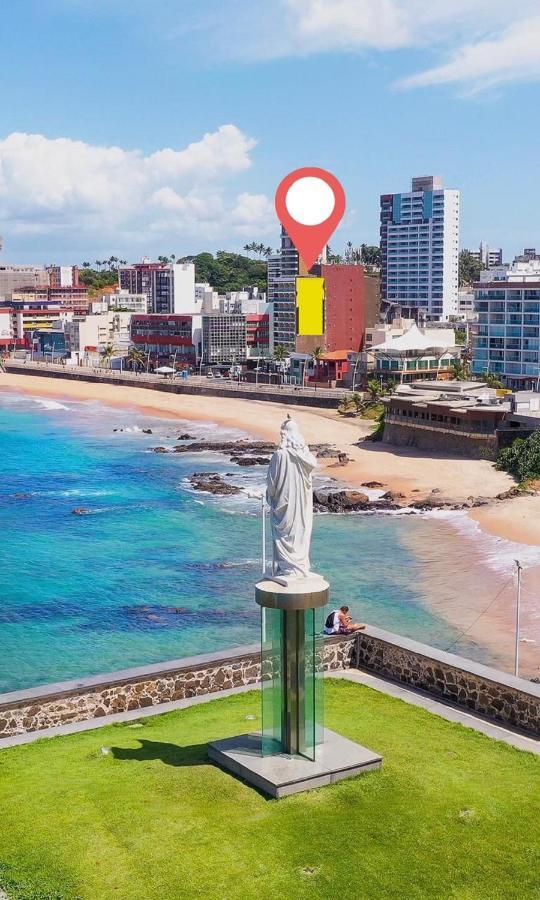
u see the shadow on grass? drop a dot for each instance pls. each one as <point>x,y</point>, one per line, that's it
<point>169,754</point>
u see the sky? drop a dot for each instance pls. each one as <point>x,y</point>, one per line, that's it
<point>146,127</point>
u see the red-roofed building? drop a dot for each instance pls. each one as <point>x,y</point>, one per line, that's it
<point>330,368</point>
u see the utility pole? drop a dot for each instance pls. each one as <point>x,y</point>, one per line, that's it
<point>518,611</point>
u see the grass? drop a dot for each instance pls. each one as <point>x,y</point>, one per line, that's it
<point>451,814</point>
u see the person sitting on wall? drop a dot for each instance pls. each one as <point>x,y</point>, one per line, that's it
<point>340,622</point>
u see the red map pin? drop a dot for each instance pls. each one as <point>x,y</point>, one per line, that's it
<point>310,203</point>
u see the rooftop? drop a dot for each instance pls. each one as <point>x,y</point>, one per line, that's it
<point>136,810</point>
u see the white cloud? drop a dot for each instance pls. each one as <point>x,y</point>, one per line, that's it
<point>484,41</point>
<point>64,185</point>
<point>513,55</point>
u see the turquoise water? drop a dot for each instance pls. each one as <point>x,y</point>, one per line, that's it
<point>155,571</point>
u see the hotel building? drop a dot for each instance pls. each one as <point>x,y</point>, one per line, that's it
<point>170,289</point>
<point>507,344</point>
<point>420,249</point>
<point>283,269</point>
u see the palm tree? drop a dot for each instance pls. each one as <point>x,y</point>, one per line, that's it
<point>280,353</point>
<point>247,248</point>
<point>98,264</point>
<point>267,252</point>
<point>374,389</point>
<point>136,357</point>
<point>492,380</point>
<point>107,353</point>
<point>86,265</point>
<point>459,370</point>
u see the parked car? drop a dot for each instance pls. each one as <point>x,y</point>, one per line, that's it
<point>209,374</point>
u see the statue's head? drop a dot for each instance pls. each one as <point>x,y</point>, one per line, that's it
<point>290,435</point>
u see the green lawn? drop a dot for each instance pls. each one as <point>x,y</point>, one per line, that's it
<point>451,814</point>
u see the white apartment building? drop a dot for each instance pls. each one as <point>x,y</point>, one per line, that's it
<point>120,300</point>
<point>170,289</point>
<point>507,342</point>
<point>420,250</point>
<point>88,336</point>
<point>6,328</point>
<point>206,298</point>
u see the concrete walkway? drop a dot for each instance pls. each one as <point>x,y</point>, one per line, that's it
<point>408,695</point>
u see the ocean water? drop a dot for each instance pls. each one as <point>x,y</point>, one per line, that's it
<point>155,570</point>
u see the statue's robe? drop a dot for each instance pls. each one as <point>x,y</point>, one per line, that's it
<point>290,497</point>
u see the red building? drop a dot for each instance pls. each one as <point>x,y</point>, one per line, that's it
<point>330,368</point>
<point>164,337</point>
<point>258,334</point>
<point>345,307</point>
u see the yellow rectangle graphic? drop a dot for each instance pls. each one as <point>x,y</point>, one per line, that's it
<point>310,305</point>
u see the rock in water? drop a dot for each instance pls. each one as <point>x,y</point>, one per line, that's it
<point>80,511</point>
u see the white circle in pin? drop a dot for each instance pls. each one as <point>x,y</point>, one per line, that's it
<point>310,200</point>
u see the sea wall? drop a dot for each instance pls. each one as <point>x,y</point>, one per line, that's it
<point>270,393</point>
<point>137,688</point>
<point>441,440</point>
<point>489,692</point>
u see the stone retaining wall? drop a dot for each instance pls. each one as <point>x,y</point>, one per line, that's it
<point>179,387</point>
<point>441,440</point>
<point>489,692</point>
<point>92,698</point>
<point>493,694</point>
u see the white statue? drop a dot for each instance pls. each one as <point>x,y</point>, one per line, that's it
<point>289,495</point>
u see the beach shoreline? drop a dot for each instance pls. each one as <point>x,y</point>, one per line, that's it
<point>409,472</point>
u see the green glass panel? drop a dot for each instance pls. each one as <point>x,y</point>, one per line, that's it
<point>271,672</point>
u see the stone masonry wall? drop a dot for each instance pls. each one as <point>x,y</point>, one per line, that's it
<point>477,446</point>
<point>487,691</point>
<point>46,707</point>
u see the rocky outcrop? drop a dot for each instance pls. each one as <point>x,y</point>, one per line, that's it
<point>211,483</point>
<point>80,511</point>
<point>393,495</point>
<point>373,484</point>
<point>250,460</point>
<point>348,501</point>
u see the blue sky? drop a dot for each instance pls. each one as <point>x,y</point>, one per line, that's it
<point>152,127</point>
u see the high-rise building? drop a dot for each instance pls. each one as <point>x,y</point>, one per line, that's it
<point>488,256</point>
<point>63,276</point>
<point>12,278</point>
<point>169,288</point>
<point>283,268</point>
<point>164,338</point>
<point>419,250</point>
<point>507,342</point>
<point>345,307</point>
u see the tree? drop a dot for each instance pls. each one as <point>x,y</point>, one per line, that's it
<point>107,353</point>
<point>136,357</point>
<point>469,268</point>
<point>522,458</point>
<point>280,353</point>
<point>317,353</point>
<point>492,380</point>
<point>374,389</point>
<point>459,370</point>
<point>86,265</point>
<point>347,407</point>
<point>370,255</point>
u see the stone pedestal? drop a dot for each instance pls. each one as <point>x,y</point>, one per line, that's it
<point>281,775</point>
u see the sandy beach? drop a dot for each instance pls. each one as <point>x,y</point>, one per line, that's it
<point>407,471</point>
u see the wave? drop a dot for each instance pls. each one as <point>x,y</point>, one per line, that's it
<point>499,553</point>
<point>49,404</point>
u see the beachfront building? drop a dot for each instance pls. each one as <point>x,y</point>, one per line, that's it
<point>419,250</point>
<point>454,417</point>
<point>507,342</point>
<point>224,338</point>
<point>403,352</point>
<point>169,288</point>
<point>87,337</point>
<point>164,339</point>
<point>259,334</point>
<point>7,335</point>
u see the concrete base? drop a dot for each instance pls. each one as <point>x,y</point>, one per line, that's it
<point>281,775</point>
